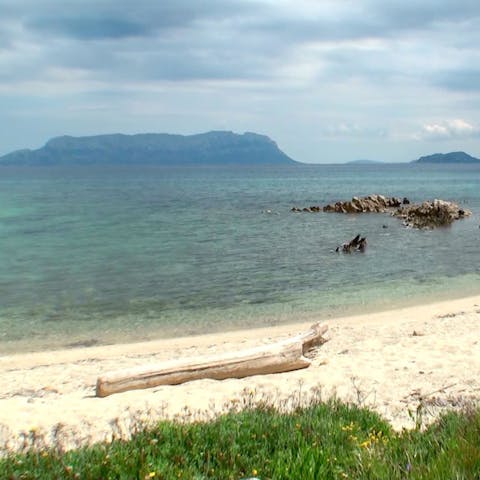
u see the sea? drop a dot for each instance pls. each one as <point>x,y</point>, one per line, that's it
<point>92,256</point>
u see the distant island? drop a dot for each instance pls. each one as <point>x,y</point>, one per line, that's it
<point>452,157</point>
<point>214,148</point>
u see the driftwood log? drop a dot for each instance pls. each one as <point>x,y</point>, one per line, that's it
<point>282,356</point>
<point>358,244</point>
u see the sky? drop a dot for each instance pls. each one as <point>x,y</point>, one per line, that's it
<point>329,81</point>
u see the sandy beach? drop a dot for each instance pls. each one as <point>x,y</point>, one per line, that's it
<point>391,361</point>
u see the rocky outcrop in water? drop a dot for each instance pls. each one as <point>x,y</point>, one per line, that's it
<point>372,203</point>
<point>312,209</point>
<point>427,215</point>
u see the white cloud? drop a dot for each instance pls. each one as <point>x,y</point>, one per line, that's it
<point>347,129</point>
<point>449,129</point>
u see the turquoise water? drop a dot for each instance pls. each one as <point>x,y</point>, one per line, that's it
<point>101,256</point>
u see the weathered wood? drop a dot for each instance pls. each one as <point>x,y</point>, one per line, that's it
<point>356,244</point>
<point>279,357</point>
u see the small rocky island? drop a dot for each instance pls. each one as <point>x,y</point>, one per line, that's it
<point>425,215</point>
<point>445,158</point>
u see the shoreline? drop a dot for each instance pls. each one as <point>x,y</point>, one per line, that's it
<point>390,361</point>
<point>289,318</point>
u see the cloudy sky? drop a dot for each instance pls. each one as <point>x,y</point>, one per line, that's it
<point>329,81</point>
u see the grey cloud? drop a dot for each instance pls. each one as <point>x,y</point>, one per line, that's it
<point>368,19</point>
<point>111,19</point>
<point>168,39</point>
<point>87,28</point>
<point>224,39</point>
<point>463,79</point>
<point>345,62</point>
<point>412,14</point>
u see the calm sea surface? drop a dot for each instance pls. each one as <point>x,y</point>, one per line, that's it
<point>101,256</point>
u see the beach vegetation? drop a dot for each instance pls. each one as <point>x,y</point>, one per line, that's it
<point>320,440</point>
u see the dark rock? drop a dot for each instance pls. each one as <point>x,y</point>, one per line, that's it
<point>394,202</point>
<point>430,215</point>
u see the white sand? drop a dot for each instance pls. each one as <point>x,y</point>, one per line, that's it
<point>386,361</point>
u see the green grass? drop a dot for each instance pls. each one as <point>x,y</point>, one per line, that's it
<point>326,440</point>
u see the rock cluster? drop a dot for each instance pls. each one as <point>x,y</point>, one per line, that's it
<point>429,215</point>
<point>314,208</point>
<point>372,203</point>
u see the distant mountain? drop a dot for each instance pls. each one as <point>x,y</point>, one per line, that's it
<point>212,148</point>
<point>452,157</point>
<point>364,162</point>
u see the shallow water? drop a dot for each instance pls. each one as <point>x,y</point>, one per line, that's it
<point>100,256</point>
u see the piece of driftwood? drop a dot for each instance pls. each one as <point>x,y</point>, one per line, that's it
<point>282,356</point>
<point>358,244</point>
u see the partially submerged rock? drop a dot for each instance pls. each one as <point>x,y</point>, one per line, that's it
<point>372,203</point>
<point>313,208</point>
<point>437,213</point>
<point>429,214</point>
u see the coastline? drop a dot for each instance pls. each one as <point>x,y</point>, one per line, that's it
<point>312,307</point>
<point>390,361</point>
